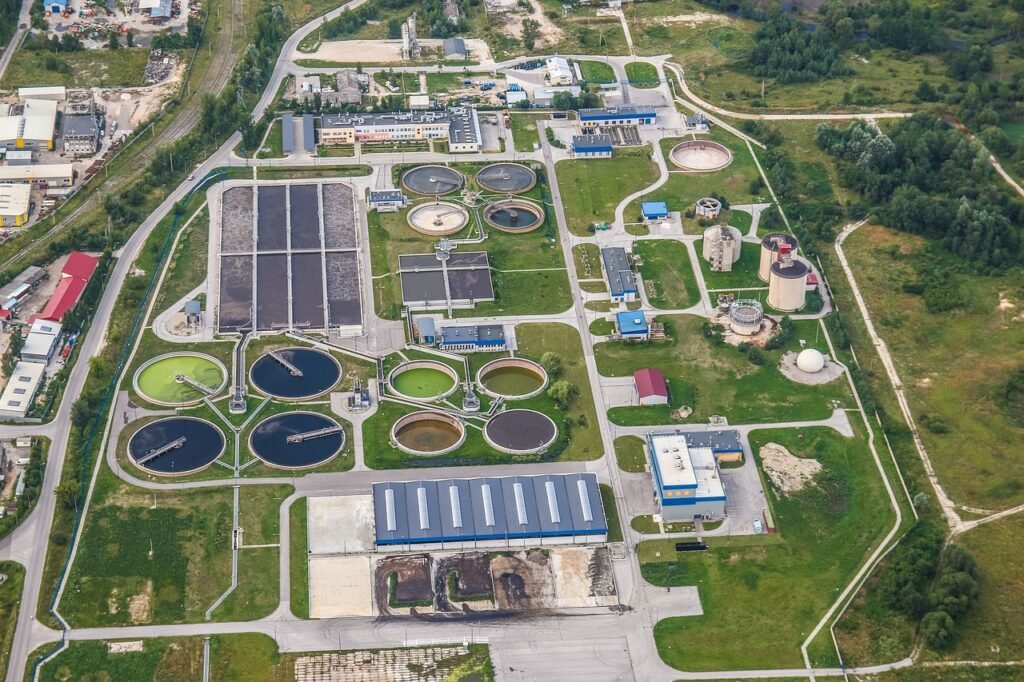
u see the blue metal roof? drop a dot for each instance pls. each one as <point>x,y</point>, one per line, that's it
<point>507,507</point>
<point>631,322</point>
<point>654,209</point>
<point>287,134</point>
<point>308,133</point>
<point>592,143</point>
<point>643,112</point>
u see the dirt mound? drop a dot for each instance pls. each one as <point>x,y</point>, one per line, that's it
<point>788,473</point>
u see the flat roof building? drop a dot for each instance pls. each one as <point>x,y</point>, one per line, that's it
<point>507,511</point>
<point>80,135</point>
<point>626,114</point>
<point>654,210</point>
<point>308,133</point>
<point>545,97</point>
<point>51,175</point>
<point>473,338</point>
<point>57,93</point>
<point>592,146</point>
<point>18,157</point>
<point>41,342</point>
<point>632,325</point>
<point>687,481</point>
<point>14,204</point>
<point>21,390</point>
<point>348,89</point>
<point>387,200</point>
<point>459,125</point>
<point>621,281</point>
<point>287,133</point>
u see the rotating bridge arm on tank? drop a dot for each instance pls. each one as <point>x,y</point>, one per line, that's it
<point>311,435</point>
<point>162,450</point>
<point>292,369</point>
<point>198,385</point>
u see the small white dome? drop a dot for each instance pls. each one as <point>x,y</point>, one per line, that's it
<point>810,360</point>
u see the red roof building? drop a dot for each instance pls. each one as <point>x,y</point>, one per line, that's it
<point>75,274</point>
<point>812,281</point>
<point>651,387</point>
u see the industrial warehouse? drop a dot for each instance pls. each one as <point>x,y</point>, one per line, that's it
<point>288,258</point>
<point>460,126</point>
<point>687,481</point>
<point>489,512</point>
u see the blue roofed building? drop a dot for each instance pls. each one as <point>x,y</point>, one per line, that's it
<point>287,133</point>
<point>592,146</point>
<point>473,338</point>
<point>507,511</point>
<point>309,133</point>
<point>632,325</point>
<point>654,210</point>
<point>687,480</point>
<point>56,6</point>
<point>624,115</point>
<point>387,200</point>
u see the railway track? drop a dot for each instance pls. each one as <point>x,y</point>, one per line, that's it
<point>221,67</point>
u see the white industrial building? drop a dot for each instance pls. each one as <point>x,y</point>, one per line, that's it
<point>41,342</point>
<point>56,93</point>
<point>14,204</point>
<point>32,129</point>
<point>40,175</point>
<point>687,482</point>
<point>21,389</point>
<point>559,71</point>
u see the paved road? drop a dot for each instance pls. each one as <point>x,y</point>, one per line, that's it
<point>25,18</point>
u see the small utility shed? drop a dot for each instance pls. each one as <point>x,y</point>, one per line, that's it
<point>654,210</point>
<point>651,387</point>
<point>506,511</point>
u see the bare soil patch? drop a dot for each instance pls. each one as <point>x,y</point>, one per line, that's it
<point>787,472</point>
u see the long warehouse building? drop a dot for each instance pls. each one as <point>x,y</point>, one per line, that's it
<point>507,511</point>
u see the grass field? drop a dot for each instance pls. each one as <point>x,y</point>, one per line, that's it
<point>299,558</point>
<point>743,273</point>
<point>10,599</point>
<point>602,327</point>
<point>718,380</point>
<point>611,510</point>
<point>587,258</point>
<point>597,72</point>
<point>273,143</point>
<point>524,130</point>
<point>187,267</point>
<point>160,659</point>
<point>629,453</point>
<point>1014,130</point>
<point>592,188</point>
<point>952,377</point>
<point>667,274</point>
<point>642,75</point>
<point>84,69</point>
<point>788,579</point>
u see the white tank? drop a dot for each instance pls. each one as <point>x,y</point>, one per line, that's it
<point>721,247</point>
<point>770,247</point>
<point>745,317</point>
<point>810,360</point>
<point>707,207</point>
<point>787,285</point>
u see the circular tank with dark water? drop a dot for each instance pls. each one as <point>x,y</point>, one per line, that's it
<point>427,380</point>
<point>507,178</point>
<point>520,431</point>
<point>512,378</point>
<point>514,215</point>
<point>176,445</point>
<point>432,180</point>
<point>428,433</point>
<point>304,373</point>
<point>296,440</point>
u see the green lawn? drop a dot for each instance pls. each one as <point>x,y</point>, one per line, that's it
<point>273,143</point>
<point>597,72</point>
<point>10,599</point>
<point>789,579</point>
<point>629,453</point>
<point>587,258</point>
<point>602,327</point>
<point>718,379</point>
<point>611,510</point>
<point>336,151</point>
<point>683,189</point>
<point>667,274</point>
<point>524,130</point>
<point>299,558</point>
<point>743,273</point>
<point>592,188</point>
<point>160,659</point>
<point>85,69</point>
<point>187,266</point>
<point>645,525</point>
<point>642,75</point>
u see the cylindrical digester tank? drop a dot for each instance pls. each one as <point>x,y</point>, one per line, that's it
<point>745,317</point>
<point>787,285</point>
<point>716,240</point>
<point>770,247</point>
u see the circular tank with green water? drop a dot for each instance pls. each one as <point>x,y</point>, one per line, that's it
<point>180,378</point>
<point>512,378</point>
<point>427,380</point>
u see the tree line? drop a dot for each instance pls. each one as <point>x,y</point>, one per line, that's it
<point>926,178</point>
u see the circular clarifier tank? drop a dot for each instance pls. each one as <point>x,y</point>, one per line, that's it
<point>296,440</point>
<point>514,215</point>
<point>520,431</point>
<point>428,433</point>
<point>432,180</point>
<point>507,178</point>
<point>176,446</point>
<point>700,156</point>
<point>427,380</point>
<point>438,218</point>
<point>512,378</point>
<point>295,373</point>
<point>180,378</point>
